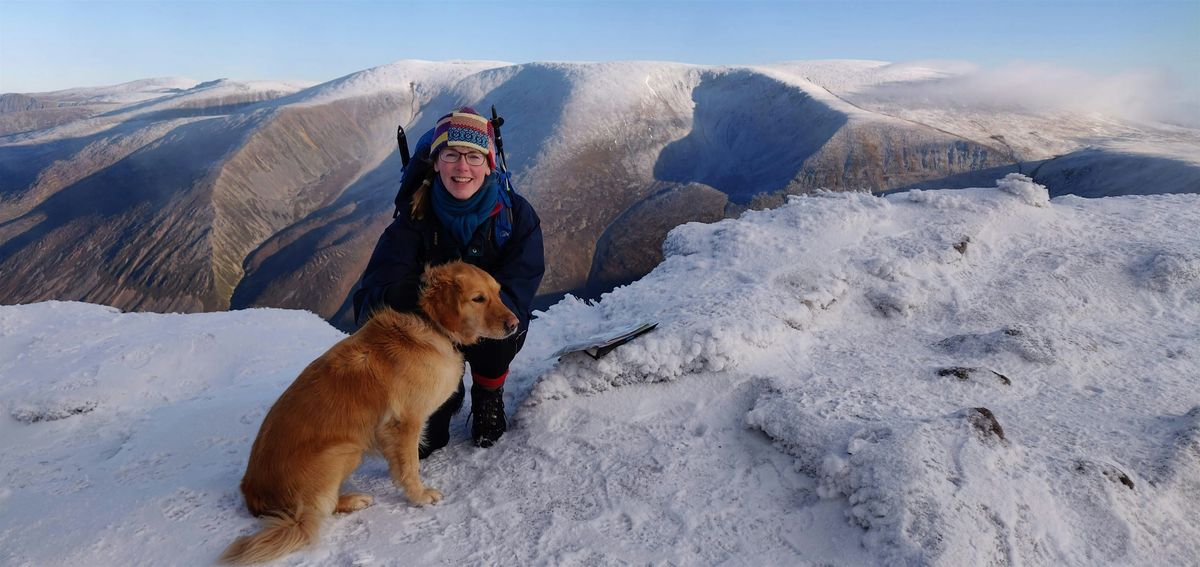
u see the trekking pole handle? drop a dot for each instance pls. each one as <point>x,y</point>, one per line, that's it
<point>402,143</point>
<point>497,122</point>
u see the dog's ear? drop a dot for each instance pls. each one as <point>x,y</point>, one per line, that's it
<point>428,275</point>
<point>463,279</point>
<point>441,300</point>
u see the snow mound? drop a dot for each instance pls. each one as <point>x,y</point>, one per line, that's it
<point>1170,271</point>
<point>738,300</point>
<point>120,363</point>
<point>1025,189</point>
<point>1025,343</point>
<point>138,419</point>
<point>982,376</point>
<point>703,325</point>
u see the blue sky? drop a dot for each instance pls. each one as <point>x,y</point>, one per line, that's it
<point>49,45</point>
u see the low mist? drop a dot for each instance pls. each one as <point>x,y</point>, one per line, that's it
<point>1143,96</point>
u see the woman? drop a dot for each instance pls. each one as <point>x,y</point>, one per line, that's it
<point>462,211</point>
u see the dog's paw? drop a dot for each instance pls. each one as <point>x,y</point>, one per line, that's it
<point>425,496</point>
<point>352,502</point>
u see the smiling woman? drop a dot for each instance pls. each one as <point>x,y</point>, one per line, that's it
<point>462,145</point>
<point>462,211</point>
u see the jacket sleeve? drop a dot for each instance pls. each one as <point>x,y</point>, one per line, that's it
<point>393,274</point>
<point>523,262</point>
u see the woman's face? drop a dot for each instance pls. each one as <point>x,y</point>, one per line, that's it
<point>461,178</point>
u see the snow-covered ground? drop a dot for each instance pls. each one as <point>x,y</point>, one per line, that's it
<point>811,396</point>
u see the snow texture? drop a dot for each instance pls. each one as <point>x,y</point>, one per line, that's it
<point>401,76</point>
<point>124,93</point>
<point>824,387</point>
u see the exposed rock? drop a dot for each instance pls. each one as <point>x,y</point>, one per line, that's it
<point>15,102</point>
<point>54,413</point>
<point>984,421</point>
<point>961,247</point>
<point>627,250</point>
<point>895,299</point>
<point>960,372</point>
<point>20,121</point>
<point>1110,472</point>
<point>965,373</point>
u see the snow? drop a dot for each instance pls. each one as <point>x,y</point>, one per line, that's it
<point>848,76</point>
<point>812,395</point>
<point>607,95</point>
<point>124,93</point>
<point>400,76</point>
<point>213,92</point>
<point>154,100</point>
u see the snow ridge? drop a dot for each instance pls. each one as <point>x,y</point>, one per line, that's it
<point>893,342</point>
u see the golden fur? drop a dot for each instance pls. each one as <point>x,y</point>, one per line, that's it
<point>374,390</point>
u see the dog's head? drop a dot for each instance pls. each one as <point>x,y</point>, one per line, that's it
<point>465,301</point>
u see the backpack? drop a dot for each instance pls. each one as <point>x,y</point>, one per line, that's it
<point>414,171</point>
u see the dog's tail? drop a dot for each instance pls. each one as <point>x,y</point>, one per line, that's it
<point>283,532</point>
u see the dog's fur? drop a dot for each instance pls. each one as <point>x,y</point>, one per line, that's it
<point>374,390</point>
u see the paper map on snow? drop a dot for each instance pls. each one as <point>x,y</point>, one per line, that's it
<point>603,343</point>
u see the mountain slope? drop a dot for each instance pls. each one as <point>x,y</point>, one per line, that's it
<point>274,193</point>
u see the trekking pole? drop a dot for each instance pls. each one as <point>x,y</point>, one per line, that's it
<point>402,142</point>
<point>498,121</point>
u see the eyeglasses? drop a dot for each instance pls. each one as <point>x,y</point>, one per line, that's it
<point>451,156</point>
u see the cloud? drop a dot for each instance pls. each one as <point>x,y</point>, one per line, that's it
<point>1032,86</point>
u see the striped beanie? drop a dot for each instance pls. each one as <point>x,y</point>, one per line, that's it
<point>465,128</point>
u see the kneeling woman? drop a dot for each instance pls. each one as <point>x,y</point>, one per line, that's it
<point>462,211</point>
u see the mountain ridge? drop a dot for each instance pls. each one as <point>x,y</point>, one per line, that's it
<point>263,166</point>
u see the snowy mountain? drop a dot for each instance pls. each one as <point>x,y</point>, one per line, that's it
<point>173,195</point>
<point>968,377</point>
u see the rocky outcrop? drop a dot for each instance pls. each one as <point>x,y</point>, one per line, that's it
<point>14,102</point>
<point>632,245</point>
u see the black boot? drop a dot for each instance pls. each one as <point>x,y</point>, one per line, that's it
<point>437,429</point>
<point>487,415</point>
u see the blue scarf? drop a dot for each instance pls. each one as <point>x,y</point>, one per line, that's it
<point>461,218</point>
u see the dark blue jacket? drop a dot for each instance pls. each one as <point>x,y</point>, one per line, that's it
<point>393,275</point>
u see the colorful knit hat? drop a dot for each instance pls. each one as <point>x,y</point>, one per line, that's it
<point>465,128</point>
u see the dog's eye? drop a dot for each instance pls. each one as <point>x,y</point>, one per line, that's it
<point>478,299</point>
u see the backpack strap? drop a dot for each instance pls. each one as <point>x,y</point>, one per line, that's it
<point>504,221</point>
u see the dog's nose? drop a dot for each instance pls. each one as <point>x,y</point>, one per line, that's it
<point>510,324</point>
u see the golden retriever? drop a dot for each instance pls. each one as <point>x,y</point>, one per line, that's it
<point>373,390</point>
